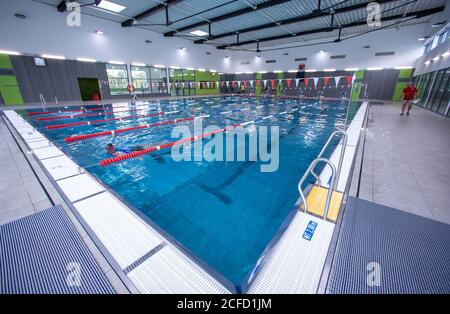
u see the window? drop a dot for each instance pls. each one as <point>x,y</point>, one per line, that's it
<point>158,79</point>
<point>141,79</point>
<point>435,90</point>
<point>445,94</point>
<point>428,47</point>
<point>117,78</point>
<point>443,37</point>
<point>183,82</point>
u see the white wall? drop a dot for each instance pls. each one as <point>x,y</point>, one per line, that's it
<point>45,31</point>
<point>404,42</point>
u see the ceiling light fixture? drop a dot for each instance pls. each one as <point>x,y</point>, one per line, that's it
<point>111,6</point>
<point>7,52</point>
<point>116,62</point>
<point>99,32</point>
<point>198,33</point>
<point>351,69</point>
<point>53,57</point>
<point>86,60</point>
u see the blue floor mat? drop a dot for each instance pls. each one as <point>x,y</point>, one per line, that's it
<point>384,250</point>
<point>43,253</point>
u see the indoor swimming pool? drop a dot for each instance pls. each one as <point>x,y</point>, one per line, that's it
<point>222,213</point>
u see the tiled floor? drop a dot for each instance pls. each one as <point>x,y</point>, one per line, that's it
<point>407,161</point>
<point>20,192</point>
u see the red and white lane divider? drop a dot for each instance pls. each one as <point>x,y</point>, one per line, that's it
<point>109,161</point>
<point>106,113</point>
<point>74,124</point>
<point>50,112</point>
<point>75,138</point>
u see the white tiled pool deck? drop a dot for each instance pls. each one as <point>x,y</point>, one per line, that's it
<point>407,161</point>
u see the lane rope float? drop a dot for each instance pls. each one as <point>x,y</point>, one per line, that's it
<point>111,160</point>
<point>75,138</point>
<point>69,125</point>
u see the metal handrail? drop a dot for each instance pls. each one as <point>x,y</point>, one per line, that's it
<point>341,157</point>
<point>43,102</point>
<point>330,190</point>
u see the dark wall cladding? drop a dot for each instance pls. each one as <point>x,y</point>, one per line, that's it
<point>58,78</point>
<point>381,84</point>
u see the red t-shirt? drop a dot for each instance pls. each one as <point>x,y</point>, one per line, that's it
<point>409,92</point>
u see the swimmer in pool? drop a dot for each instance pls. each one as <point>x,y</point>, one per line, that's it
<point>118,151</point>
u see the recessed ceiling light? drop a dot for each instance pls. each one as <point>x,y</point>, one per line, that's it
<point>311,70</point>
<point>174,67</point>
<point>329,70</point>
<point>111,6</point>
<point>199,33</point>
<point>262,72</point>
<point>7,52</point>
<point>277,71</point>
<point>201,70</point>
<point>427,62</point>
<point>374,69</point>
<point>403,67</point>
<point>292,71</point>
<point>322,51</point>
<point>351,69</point>
<point>436,58</point>
<point>446,54</point>
<point>183,49</point>
<point>99,32</point>
<point>138,64</point>
<point>190,69</point>
<point>213,71</point>
<point>53,57</point>
<point>116,62</point>
<point>86,60</point>
<point>237,72</point>
<point>422,38</point>
<point>159,66</point>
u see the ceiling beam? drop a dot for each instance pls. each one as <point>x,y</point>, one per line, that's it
<point>149,12</point>
<point>303,18</point>
<point>230,15</point>
<point>417,14</point>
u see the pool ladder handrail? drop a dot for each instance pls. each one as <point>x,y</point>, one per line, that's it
<point>341,156</point>
<point>330,190</point>
<point>335,174</point>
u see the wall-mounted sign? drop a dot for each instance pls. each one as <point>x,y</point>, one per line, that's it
<point>40,62</point>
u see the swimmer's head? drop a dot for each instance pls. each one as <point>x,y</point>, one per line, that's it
<point>110,148</point>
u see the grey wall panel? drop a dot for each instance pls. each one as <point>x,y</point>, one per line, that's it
<point>381,84</point>
<point>58,78</point>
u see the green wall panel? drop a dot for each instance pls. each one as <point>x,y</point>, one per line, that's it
<point>398,91</point>
<point>356,92</point>
<point>206,77</point>
<point>405,73</point>
<point>258,88</point>
<point>10,90</point>
<point>5,63</point>
<point>359,74</point>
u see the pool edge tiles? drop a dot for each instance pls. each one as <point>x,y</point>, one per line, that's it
<point>117,226</point>
<point>307,238</point>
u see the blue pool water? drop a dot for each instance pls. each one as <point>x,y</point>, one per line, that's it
<point>224,213</point>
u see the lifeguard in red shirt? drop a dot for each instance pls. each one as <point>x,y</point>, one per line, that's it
<point>409,93</point>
